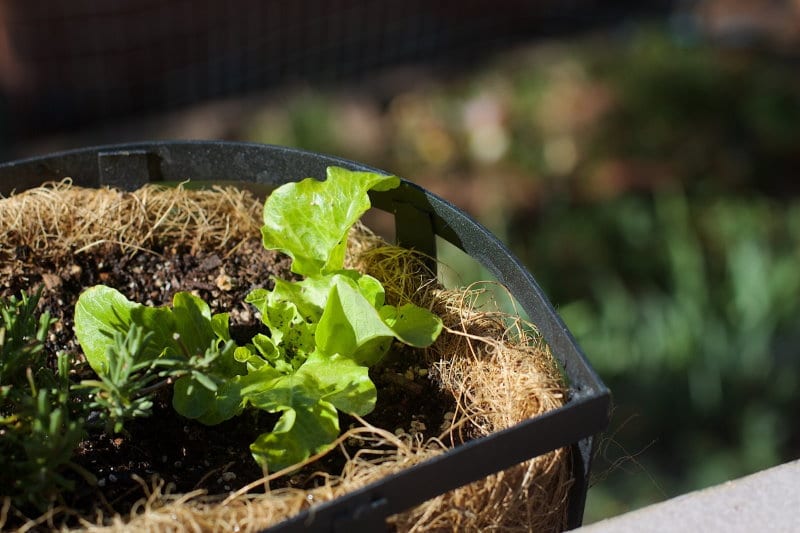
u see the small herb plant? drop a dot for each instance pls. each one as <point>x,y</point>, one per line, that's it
<point>44,415</point>
<point>37,430</point>
<point>325,331</point>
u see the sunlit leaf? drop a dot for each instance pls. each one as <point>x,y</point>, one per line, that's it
<point>309,220</point>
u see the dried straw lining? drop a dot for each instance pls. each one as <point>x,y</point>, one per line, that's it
<point>58,219</point>
<point>498,373</point>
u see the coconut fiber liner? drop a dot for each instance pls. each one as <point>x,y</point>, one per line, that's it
<point>497,369</point>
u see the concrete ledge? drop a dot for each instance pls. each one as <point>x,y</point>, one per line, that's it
<point>764,501</point>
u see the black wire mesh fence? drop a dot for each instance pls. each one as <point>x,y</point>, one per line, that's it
<point>66,62</point>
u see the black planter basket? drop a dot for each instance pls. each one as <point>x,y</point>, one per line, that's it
<point>419,217</point>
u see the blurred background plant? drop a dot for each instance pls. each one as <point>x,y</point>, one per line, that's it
<point>644,171</point>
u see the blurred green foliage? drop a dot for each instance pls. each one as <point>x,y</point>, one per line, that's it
<point>699,342</point>
<point>649,184</point>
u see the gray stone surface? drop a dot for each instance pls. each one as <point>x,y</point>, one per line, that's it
<point>764,501</point>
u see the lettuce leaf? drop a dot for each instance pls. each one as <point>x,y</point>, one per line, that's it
<point>309,220</point>
<point>308,400</point>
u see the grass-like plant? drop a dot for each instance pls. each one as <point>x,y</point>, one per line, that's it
<point>37,430</point>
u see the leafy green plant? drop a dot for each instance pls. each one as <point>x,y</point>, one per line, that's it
<point>185,342</point>
<point>124,389</point>
<point>324,331</point>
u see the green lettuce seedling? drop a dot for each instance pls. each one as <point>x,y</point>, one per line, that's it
<point>324,330</point>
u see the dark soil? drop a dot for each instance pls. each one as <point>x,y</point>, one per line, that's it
<point>183,453</point>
